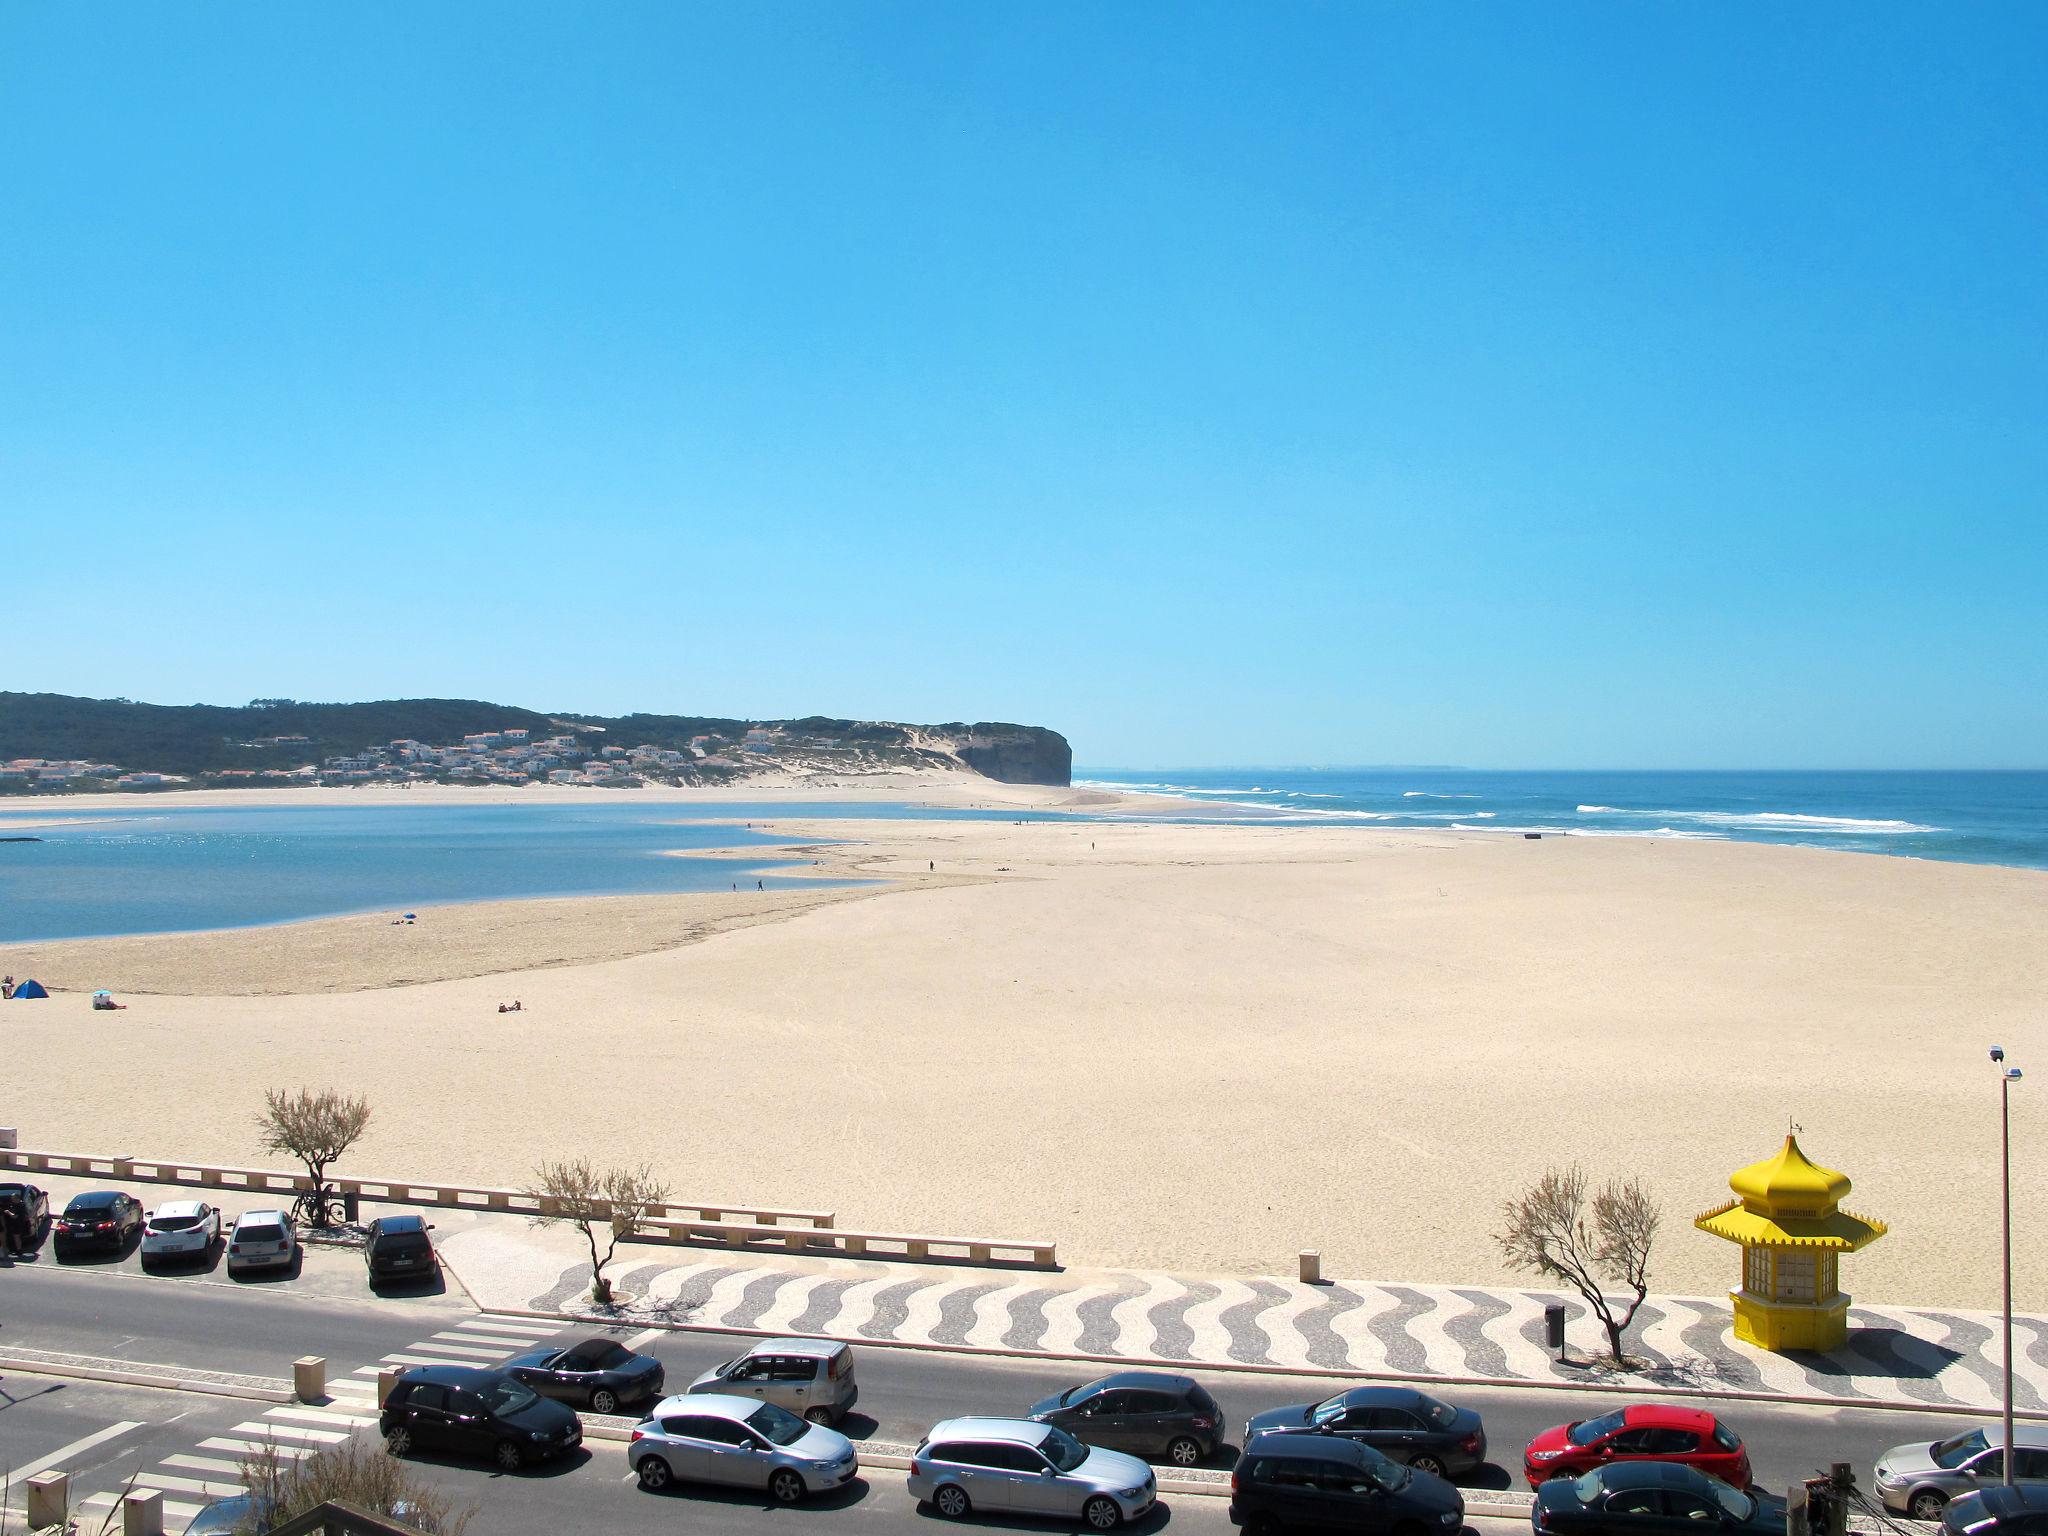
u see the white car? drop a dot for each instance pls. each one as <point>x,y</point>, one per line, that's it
<point>184,1229</point>
<point>262,1240</point>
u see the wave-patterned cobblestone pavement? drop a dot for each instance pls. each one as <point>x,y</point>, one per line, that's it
<point>1902,1355</point>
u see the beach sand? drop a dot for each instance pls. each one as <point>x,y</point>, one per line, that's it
<point>1192,1048</point>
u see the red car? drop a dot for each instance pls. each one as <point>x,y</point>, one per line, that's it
<point>1647,1432</point>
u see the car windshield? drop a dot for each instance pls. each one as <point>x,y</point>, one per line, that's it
<point>176,1223</point>
<point>1953,1453</point>
<point>1063,1450</point>
<point>1074,1395</point>
<point>507,1396</point>
<point>1328,1409</point>
<point>249,1234</point>
<point>1586,1431</point>
<point>1586,1489</point>
<point>1390,1475</point>
<point>1740,1506</point>
<point>778,1425</point>
<point>1438,1414</point>
<point>88,1205</point>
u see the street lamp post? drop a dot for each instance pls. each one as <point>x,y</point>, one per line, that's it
<point>2007,1076</point>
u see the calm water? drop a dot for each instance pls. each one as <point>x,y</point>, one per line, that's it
<point>1978,818</point>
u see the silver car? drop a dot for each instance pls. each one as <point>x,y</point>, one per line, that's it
<point>708,1437</point>
<point>181,1229</point>
<point>262,1240</point>
<point>1920,1479</point>
<point>1019,1467</point>
<point>812,1378</point>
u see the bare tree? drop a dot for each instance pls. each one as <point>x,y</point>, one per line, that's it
<point>315,1128</point>
<point>356,1472</point>
<point>1552,1230</point>
<point>615,1199</point>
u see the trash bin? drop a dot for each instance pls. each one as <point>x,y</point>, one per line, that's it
<point>351,1203</point>
<point>1553,1325</point>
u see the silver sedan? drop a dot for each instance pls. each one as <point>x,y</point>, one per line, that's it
<point>710,1437</point>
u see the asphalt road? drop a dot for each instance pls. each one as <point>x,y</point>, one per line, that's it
<point>260,1330</point>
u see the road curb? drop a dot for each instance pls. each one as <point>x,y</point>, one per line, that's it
<point>1639,1388</point>
<point>273,1395</point>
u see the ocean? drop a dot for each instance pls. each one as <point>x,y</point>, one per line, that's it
<point>1971,817</point>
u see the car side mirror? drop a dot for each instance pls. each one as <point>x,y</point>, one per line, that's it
<point>1048,1472</point>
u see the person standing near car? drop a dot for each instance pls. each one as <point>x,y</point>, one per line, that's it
<point>15,1220</point>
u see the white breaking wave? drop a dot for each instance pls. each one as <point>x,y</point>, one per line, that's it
<point>1430,794</point>
<point>1766,821</point>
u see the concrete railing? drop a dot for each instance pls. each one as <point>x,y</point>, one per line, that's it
<point>735,1226</point>
<point>156,1170</point>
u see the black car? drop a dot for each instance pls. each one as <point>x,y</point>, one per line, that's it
<point>1148,1413</point>
<point>600,1372</point>
<point>1287,1482</point>
<point>31,1202</point>
<point>102,1219</point>
<point>2021,1510</point>
<point>471,1412</point>
<point>1645,1498</point>
<point>1399,1422</point>
<point>398,1248</point>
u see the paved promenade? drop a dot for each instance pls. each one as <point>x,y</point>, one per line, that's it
<point>1897,1355</point>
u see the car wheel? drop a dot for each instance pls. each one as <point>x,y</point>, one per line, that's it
<point>1431,1464</point>
<point>1184,1451</point>
<point>951,1501</point>
<point>654,1473</point>
<point>507,1456</point>
<point>785,1487</point>
<point>1102,1514</point>
<point>818,1415</point>
<point>603,1401</point>
<point>1927,1504</point>
<point>399,1441</point>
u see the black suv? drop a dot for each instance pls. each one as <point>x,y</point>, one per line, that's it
<point>472,1412</point>
<point>398,1248</point>
<point>102,1218</point>
<point>1286,1482</point>
<point>1399,1422</point>
<point>1148,1413</point>
<point>31,1203</point>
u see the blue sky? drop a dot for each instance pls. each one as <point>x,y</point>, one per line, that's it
<point>1625,385</point>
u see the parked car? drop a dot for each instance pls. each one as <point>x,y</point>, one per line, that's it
<point>1920,1479</point>
<point>812,1378</point>
<point>33,1203</point>
<point>714,1437</point>
<point>473,1412</point>
<point>2021,1510</point>
<point>179,1229</point>
<point>1148,1413</point>
<point>398,1248</point>
<point>1023,1467</point>
<point>262,1240</point>
<point>1300,1482</point>
<point>1399,1422</point>
<point>101,1219</point>
<point>601,1373</point>
<point>1645,1432</point>
<point>1650,1498</point>
<point>224,1517</point>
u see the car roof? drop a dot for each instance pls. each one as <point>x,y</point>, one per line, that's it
<point>270,1215</point>
<point>93,1197</point>
<point>719,1405</point>
<point>2019,1499</point>
<point>401,1224</point>
<point>1021,1431</point>
<point>181,1208</point>
<point>1315,1447</point>
<point>1649,1474</point>
<point>2031,1436</point>
<point>1664,1416</point>
<point>1150,1381</point>
<point>471,1377</point>
<point>822,1348</point>
<point>1382,1397</point>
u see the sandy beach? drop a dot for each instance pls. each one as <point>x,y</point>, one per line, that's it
<point>1187,1047</point>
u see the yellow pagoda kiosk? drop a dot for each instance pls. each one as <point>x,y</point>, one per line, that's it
<point>1786,1217</point>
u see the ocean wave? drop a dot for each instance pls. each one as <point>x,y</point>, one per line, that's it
<point>1766,821</point>
<point>1430,794</point>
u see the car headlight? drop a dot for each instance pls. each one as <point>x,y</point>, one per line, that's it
<point>1451,1517</point>
<point>1130,1493</point>
<point>1545,1455</point>
<point>538,1434</point>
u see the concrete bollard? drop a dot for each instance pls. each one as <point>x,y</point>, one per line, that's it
<point>1311,1266</point>
<point>309,1378</point>
<point>142,1513</point>
<point>49,1499</point>
<point>386,1380</point>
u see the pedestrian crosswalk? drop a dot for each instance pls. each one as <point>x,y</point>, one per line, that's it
<point>212,1469</point>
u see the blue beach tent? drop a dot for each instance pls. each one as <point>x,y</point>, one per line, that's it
<point>30,988</point>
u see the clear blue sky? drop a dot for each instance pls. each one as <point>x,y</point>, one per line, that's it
<point>1626,384</point>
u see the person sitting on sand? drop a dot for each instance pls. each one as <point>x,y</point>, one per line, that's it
<point>104,1002</point>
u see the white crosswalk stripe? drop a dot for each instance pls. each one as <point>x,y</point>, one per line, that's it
<point>470,1350</point>
<point>535,1329</point>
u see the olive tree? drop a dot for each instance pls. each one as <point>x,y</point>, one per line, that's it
<point>615,1200</point>
<point>1553,1229</point>
<point>315,1128</point>
<point>355,1472</point>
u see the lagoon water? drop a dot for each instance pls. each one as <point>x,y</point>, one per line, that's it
<point>159,869</point>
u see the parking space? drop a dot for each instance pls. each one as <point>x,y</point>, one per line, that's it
<point>102,1435</point>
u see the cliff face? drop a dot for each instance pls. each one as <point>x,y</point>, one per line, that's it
<point>1016,754</point>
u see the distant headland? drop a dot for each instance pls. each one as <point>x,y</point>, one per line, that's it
<point>53,743</point>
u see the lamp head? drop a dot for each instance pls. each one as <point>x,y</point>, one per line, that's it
<point>1998,1053</point>
<point>2012,1074</point>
